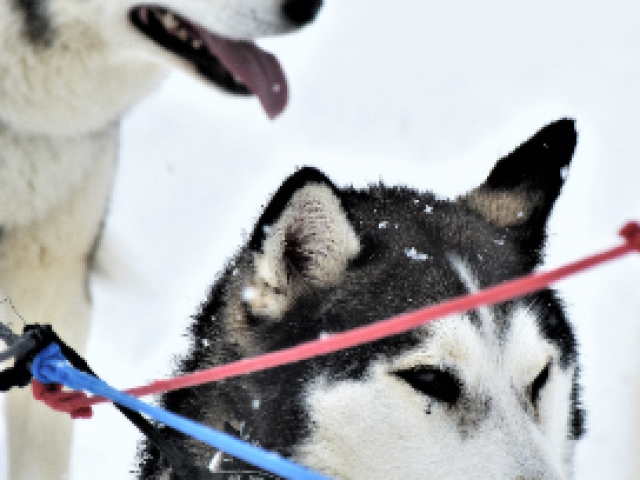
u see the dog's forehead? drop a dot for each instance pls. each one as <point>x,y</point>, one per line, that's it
<point>423,226</point>
<point>419,250</point>
<point>508,337</point>
<point>458,343</point>
<point>414,250</point>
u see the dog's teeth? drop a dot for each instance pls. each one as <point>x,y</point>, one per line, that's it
<point>183,34</point>
<point>197,44</point>
<point>169,21</point>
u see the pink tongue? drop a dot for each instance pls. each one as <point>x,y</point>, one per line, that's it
<point>257,69</point>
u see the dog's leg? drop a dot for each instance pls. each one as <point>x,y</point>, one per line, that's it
<point>44,270</point>
<point>40,439</point>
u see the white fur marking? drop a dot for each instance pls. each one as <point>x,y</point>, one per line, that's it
<point>378,427</point>
<point>471,283</point>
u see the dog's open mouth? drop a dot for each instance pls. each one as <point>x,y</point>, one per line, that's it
<point>238,67</point>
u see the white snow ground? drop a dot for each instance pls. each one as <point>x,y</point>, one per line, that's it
<point>428,94</point>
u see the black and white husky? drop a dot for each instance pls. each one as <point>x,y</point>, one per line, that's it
<point>491,394</point>
<point>69,69</point>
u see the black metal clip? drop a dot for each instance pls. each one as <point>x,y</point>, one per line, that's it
<point>23,349</point>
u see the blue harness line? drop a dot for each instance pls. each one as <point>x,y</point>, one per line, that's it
<point>50,366</point>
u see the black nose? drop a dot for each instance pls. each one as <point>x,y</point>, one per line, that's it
<point>301,12</point>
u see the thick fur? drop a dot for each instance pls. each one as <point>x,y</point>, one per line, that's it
<point>492,393</point>
<point>69,70</point>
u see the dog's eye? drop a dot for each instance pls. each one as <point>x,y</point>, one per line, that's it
<point>437,384</point>
<point>538,384</point>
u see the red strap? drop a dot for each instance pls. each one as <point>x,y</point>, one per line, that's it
<point>631,233</point>
<point>376,331</point>
<point>61,401</point>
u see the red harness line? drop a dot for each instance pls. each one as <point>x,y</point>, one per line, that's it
<point>393,326</point>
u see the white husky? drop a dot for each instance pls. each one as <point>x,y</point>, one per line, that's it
<point>491,394</point>
<point>69,69</point>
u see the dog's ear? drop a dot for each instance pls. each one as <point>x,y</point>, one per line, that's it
<point>522,188</point>
<point>303,239</point>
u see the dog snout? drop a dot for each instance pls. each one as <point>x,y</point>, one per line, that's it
<point>301,12</point>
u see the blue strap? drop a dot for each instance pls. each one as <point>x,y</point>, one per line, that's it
<point>50,366</point>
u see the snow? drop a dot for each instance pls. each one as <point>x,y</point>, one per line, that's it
<point>428,95</point>
<point>249,294</point>
<point>413,254</point>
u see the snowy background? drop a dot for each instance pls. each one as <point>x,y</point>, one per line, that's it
<point>428,94</point>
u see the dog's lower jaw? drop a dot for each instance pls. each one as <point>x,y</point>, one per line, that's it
<point>44,267</point>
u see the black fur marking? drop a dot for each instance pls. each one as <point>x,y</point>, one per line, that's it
<point>535,170</point>
<point>281,199</point>
<point>537,163</point>
<point>538,384</point>
<point>578,414</point>
<point>554,325</point>
<point>472,410</point>
<point>235,469</point>
<point>38,27</point>
<point>475,320</point>
<point>296,257</point>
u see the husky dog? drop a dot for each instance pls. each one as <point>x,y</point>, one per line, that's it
<point>69,70</point>
<point>490,394</point>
